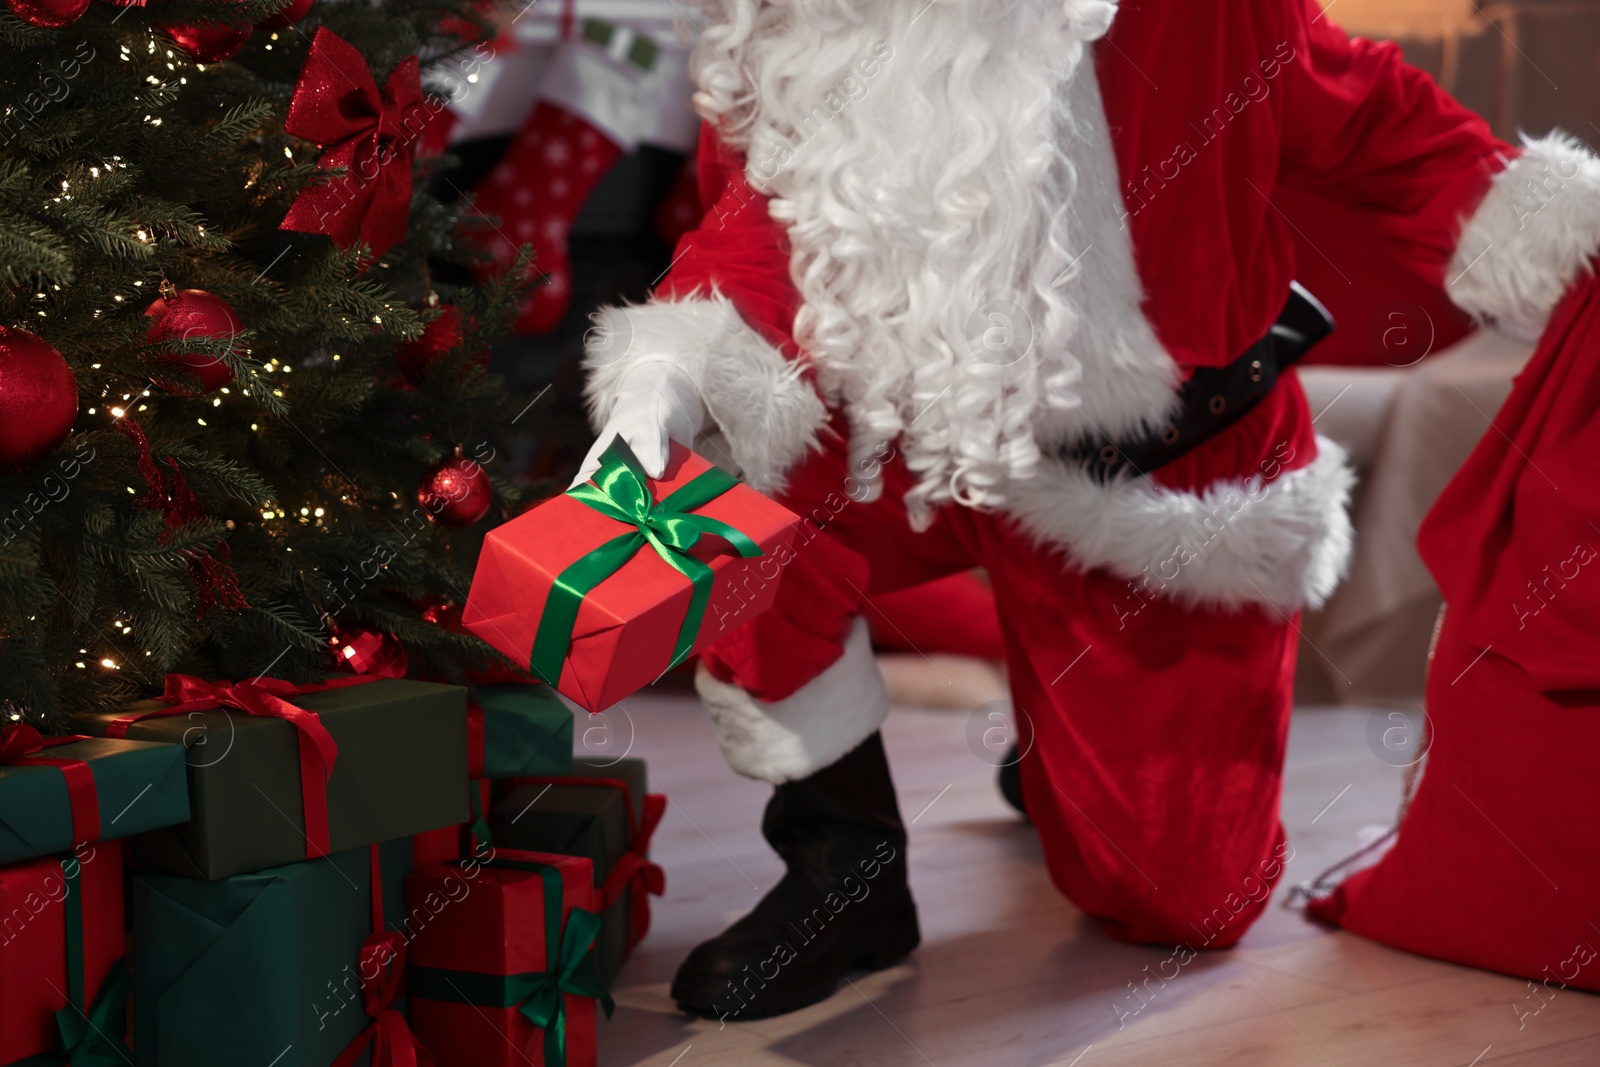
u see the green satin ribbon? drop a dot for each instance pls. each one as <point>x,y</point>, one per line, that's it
<point>92,1038</point>
<point>478,826</point>
<point>619,491</point>
<point>538,995</point>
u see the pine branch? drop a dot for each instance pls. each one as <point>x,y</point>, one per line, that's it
<point>240,121</point>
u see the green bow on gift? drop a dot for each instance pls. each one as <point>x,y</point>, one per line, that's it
<point>94,1040</point>
<point>540,996</point>
<point>619,491</point>
<point>90,1038</point>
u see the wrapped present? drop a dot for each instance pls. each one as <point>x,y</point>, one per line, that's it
<point>305,771</point>
<point>512,731</point>
<point>63,985</point>
<point>605,814</point>
<point>453,842</point>
<point>516,731</point>
<point>502,968</point>
<point>381,969</point>
<point>280,963</point>
<point>613,583</point>
<point>60,792</point>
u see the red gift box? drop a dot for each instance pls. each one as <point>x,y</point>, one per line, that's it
<point>608,586</point>
<point>61,939</point>
<point>502,970</point>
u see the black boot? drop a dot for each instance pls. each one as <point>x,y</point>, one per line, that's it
<point>843,903</point>
<point>1009,779</point>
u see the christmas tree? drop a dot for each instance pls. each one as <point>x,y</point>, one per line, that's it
<point>245,419</point>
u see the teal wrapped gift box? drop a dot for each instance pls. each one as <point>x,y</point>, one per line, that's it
<point>138,786</point>
<point>527,731</point>
<point>257,966</point>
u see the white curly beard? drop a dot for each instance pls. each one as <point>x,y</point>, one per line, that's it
<point>913,150</point>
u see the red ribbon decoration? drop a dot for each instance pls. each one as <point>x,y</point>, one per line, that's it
<point>634,868</point>
<point>267,697</point>
<point>370,135</point>
<point>19,744</point>
<point>214,580</point>
<point>381,967</point>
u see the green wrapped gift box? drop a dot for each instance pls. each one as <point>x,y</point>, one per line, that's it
<point>259,968</point>
<point>401,769</point>
<point>526,731</point>
<point>574,819</point>
<point>137,786</point>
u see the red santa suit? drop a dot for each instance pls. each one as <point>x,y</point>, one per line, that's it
<point>946,240</point>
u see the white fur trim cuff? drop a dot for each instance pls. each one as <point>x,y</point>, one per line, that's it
<point>801,734</point>
<point>1283,544</point>
<point>769,416</point>
<point>1089,20</point>
<point>1534,233</point>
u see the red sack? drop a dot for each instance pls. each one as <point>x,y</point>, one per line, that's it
<point>1495,864</point>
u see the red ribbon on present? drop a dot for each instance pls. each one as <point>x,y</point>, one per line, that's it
<point>21,743</point>
<point>370,135</point>
<point>267,697</point>
<point>381,967</point>
<point>634,868</point>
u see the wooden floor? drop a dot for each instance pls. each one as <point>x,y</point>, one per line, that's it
<point>1010,974</point>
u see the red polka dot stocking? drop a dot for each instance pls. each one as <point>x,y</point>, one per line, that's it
<point>537,189</point>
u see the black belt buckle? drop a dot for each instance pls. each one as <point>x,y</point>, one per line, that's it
<point>1213,398</point>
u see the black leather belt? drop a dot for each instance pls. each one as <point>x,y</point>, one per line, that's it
<point>1213,398</point>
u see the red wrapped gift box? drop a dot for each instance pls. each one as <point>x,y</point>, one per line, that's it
<point>61,937</point>
<point>606,587</point>
<point>502,970</point>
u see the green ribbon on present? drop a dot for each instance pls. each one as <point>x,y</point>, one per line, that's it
<point>619,491</point>
<point>540,996</point>
<point>478,828</point>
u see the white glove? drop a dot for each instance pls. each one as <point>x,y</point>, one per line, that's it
<point>656,404</point>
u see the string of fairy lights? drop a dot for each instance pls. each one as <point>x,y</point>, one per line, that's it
<point>125,399</point>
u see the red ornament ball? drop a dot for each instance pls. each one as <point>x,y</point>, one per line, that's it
<point>445,614</point>
<point>209,43</point>
<point>38,399</point>
<point>455,492</point>
<point>50,14</point>
<point>191,313</point>
<point>416,358</point>
<point>297,10</point>
<point>362,651</point>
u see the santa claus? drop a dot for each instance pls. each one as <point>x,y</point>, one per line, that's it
<point>1001,283</point>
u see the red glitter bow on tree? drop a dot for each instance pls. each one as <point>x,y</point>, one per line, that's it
<point>370,135</point>
<point>214,580</point>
